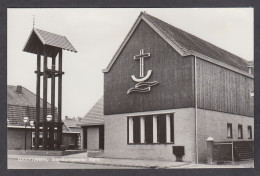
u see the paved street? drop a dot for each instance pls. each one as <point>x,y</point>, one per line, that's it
<point>81,161</point>
<point>15,164</point>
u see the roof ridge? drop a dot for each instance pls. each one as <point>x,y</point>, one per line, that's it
<point>166,34</point>
<point>49,32</point>
<point>148,15</point>
<point>186,44</point>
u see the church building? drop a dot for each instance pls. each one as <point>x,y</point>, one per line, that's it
<point>165,87</point>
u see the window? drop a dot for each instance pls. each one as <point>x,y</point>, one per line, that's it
<point>142,130</point>
<point>229,130</point>
<point>154,130</point>
<point>79,139</point>
<point>249,131</point>
<point>151,129</point>
<point>130,130</point>
<point>40,139</point>
<point>240,132</point>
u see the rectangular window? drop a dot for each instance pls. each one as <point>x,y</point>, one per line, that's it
<point>136,129</point>
<point>229,130</point>
<point>151,129</point>
<point>172,128</point>
<point>161,128</point>
<point>130,130</point>
<point>33,139</point>
<point>40,139</point>
<point>249,131</point>
<point>240,132</point>
<point>155,129</point>
<point>142,130</point>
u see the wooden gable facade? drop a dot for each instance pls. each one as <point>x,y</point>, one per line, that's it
<point>224,90</point>
<point>186,77</point>
<point>170,70</point>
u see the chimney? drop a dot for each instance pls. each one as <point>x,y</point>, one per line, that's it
<point>250,67</point>
<point>19,89</point>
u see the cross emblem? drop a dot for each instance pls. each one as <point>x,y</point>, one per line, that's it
<point>142,85</point>
<point>141,57</point>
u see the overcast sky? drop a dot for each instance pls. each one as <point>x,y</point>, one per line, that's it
<point>98,33</point>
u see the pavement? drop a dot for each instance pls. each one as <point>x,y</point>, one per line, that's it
<point>82,158</point>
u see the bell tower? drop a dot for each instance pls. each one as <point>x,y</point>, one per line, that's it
<point>48,124</point>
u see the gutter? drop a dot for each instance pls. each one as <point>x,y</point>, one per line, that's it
<point>196,109</point>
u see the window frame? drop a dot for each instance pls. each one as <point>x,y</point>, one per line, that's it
<point>40,137</point>
<point>250,135</point>
<point>151,116</point>
<point>231,130</point>
<point>241,137</point>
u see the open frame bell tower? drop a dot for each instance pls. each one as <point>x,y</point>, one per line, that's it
<point>49,47</point>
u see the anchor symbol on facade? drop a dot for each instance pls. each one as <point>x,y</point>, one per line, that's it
<point>142,56</point>
<point>141,85</point>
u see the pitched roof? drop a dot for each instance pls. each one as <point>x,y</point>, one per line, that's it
<point>54,40</point>
<point>26,98</point>
<point>15,114</point>
<point>38,38</point>
<point>95,115</point>
<point>73,123</point>
<point>21,105</point>
<point>186,44</point>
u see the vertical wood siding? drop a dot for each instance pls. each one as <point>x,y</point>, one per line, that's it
<point>223,90</point>
<point>173,72</point>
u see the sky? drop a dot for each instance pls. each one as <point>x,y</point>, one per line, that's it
<point>97,34</point>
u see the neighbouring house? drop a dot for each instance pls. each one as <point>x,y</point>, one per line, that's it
<point>21,103</point>
<point>93,127</point>
<point>168,90</point>
<point>73,127</point>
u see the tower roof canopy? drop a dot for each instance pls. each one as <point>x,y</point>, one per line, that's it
<point>52,42</point>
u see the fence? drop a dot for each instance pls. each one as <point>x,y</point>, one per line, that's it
<point>226,151</point>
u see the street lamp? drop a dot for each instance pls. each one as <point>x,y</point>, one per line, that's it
<point>31,124</point>
<point>49,118</point>
<point>25,120</point>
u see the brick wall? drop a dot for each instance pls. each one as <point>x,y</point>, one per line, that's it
<point>214,124</point>
<point>116,137</point>
<point>15,139</point>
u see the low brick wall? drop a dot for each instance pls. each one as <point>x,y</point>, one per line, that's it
<point>214,124</point>
<point>222,152</point>
<point>15,138</point>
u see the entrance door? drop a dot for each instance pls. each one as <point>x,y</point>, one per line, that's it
<point>93,137</point>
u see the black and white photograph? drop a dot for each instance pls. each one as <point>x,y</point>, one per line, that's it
<point>130,88</point>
